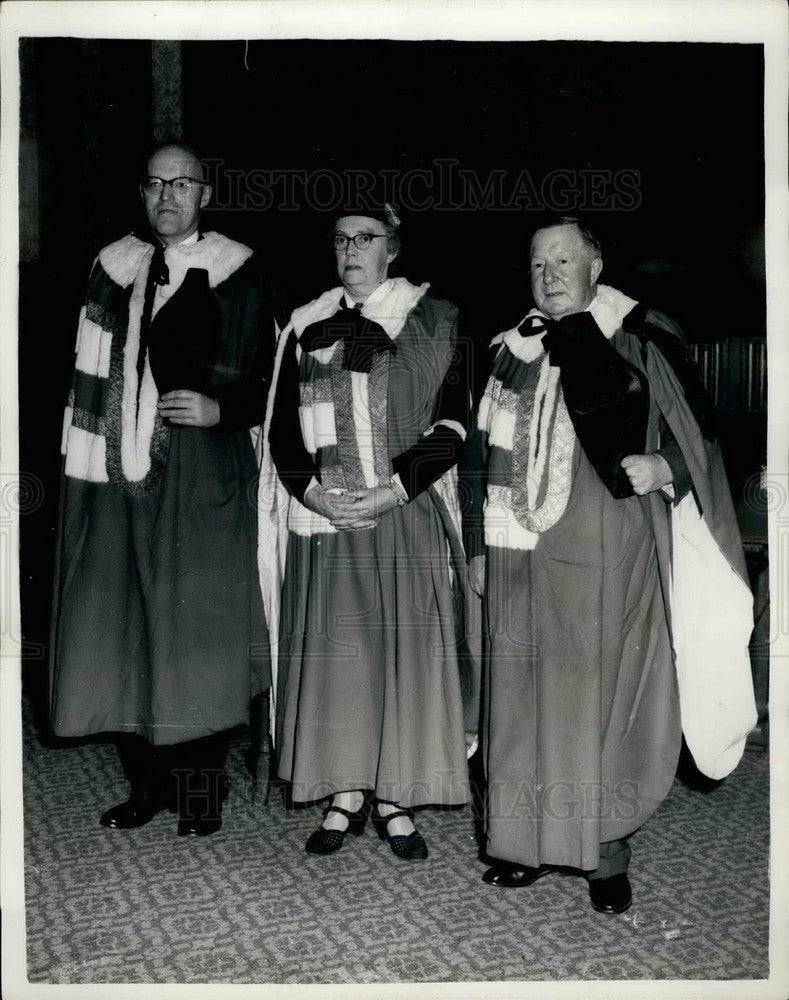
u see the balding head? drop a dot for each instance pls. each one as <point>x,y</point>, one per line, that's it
<point>187,158</point>
<point>175,214</point>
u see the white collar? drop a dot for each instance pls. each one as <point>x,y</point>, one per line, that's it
<point>372,298</point>
<point>184,243</point>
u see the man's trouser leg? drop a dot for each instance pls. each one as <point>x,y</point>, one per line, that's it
<point>138,760</point>
<point>614,859</point>
<point>193,773</point>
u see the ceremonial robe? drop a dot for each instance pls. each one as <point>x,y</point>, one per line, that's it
<point>158,626</point>
<point>373,668</point>
<point>582,718</point>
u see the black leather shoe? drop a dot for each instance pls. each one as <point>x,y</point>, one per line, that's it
<point>611,895</point>
<point>200,808</point>
<point>199,826</point>
<point>133,813</point>
<point>510,877</point>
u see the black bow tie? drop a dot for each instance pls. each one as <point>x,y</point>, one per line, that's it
<point>159,273</point>
<point>362,338</point>
<point>533,325</point>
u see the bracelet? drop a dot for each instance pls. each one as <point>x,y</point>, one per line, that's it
<point>398,498</point>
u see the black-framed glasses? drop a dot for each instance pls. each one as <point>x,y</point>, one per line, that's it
<point>361,240</point>
<point>155,185</point>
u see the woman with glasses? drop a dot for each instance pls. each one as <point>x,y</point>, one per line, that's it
<point>371,411</point>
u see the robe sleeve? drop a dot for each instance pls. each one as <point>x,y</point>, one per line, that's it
<point>295,466</point>
<point>473,461</point>
<point>672,453</point>
<point>249,341</point>
<point>243,404</point>
<point>670,448</point>
<point>471,484</point>
<point>440,447</point>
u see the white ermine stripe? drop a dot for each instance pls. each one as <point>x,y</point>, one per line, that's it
<point>483,414</point>
<point>502,429</point>
<point>317,426</point>
<point>503,531</point>
<point>307,428</point>
<point>82,314</point>
<point>86,456</point>
<point>136,427</point>
<point>146,416</point>
<point>325,433</point>
<point>362,422</point>
<point>93,352</point>
<point>68,416</point>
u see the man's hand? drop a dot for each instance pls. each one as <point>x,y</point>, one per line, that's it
<point>647,473</point>
<point>476,575</point>
<point>186,408</point>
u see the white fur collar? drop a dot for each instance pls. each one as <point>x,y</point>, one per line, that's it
<point>122,259</point>
<point>313,312</point>
<point>609,308</point>
<point>215,253</point>
<point>390,310</point>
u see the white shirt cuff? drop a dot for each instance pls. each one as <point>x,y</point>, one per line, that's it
<point>397,485</point>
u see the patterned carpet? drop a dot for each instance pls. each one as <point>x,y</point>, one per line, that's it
<point>247,905</point>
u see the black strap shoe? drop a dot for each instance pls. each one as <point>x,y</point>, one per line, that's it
<point>409,847</point>
<point>323,841</point>
<point>611,895</point>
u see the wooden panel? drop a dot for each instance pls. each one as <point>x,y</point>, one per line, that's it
<point>734,372</point>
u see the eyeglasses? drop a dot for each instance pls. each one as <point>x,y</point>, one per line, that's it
<point>154,185</point>
<point>361,240</point>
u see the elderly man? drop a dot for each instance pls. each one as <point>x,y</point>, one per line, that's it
<point>370,414</point>
<point>601,464</point>
<point>158,631</point>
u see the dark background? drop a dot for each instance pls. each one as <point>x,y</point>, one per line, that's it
<point>684,119</point>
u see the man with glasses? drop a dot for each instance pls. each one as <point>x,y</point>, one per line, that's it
<point>371,410</point>
<point>159,636</point>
